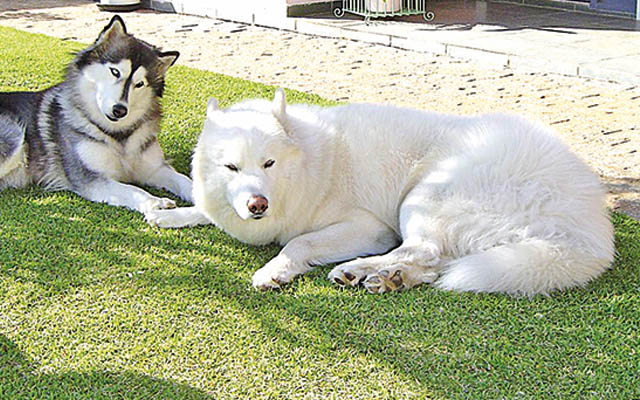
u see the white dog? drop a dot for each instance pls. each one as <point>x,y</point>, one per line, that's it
<point>489,203</point>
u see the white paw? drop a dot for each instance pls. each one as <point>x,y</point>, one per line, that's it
<point>377,279</point>
<point>277,272</point>
<point>162,218</point>
<point>351,273</point>
<point>157,203</point>
<point>398,277</point>
<point>387,280</point>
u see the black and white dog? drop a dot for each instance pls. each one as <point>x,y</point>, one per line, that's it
<point>96,129</point>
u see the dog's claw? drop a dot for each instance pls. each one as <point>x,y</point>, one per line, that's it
<point>396,279</point>
<point>278,282</point>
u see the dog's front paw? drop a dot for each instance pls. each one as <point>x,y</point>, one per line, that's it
<point>157,203</point>
<point>162,218</point>
<point>275,273</point>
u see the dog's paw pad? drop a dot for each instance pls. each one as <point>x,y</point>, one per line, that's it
<point>342,278</point>
<point>346,276</point>
<point>349,276</point>
<point>386,280</point>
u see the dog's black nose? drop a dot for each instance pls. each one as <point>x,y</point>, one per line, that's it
<point>119,111</point>
<point>257,204</point>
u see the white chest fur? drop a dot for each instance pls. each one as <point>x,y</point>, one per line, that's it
<point>121,161</point>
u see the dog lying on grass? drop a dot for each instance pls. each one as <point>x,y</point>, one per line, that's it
<point>489,203</point>
<point>96,131</point>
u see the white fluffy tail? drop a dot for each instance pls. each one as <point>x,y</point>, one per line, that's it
<point>526,268</point>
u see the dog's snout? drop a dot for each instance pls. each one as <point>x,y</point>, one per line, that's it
<point>257,204</point>
<point>119,110</point>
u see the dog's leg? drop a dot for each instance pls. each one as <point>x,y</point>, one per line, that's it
<point>415,261</point>
<point>151,169</point>
<point>165,177</point>
<point>12,154</point>
<point>361,235</point>
<point>121,194</point>
<point>411,264</point>
<point>176,218</point>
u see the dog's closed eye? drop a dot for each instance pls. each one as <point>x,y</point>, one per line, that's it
<point>231,167</point>
<point>269,163</point>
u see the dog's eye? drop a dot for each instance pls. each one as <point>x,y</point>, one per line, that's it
<point>269,163</point>
<point>231,167</point>
<point>139,84</point>
<point>115,72</point>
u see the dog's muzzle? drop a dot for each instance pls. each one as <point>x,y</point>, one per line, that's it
<point>118,112</point>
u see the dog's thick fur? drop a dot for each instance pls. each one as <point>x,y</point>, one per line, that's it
<point>489,203</point>
<point>96,129</point>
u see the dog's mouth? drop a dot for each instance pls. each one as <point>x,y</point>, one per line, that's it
<point>111,118</point>
<point>257,216</point>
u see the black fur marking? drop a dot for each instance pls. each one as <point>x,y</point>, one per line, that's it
<point>150,142</point>
<point>53,113</point>
<point>127,86</point>
<point>85,135</point>
<point>120,136</point>
<point>172,53</point>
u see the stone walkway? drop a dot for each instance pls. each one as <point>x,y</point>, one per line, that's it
<point>599,120</point>
<point>524,38</point>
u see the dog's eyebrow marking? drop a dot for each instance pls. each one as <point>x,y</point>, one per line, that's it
<point>125,89</point>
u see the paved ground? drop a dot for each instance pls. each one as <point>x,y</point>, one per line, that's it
<point>521,37</point>
<point>600,120</point>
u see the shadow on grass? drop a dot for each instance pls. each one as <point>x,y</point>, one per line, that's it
<point>442,343</point>
<point>18,375</point>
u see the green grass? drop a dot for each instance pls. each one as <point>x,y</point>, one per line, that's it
<point>94,303</point>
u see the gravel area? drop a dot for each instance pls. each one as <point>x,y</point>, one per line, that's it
<point>599,120</point>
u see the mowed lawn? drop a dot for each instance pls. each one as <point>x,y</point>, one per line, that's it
<point>94,303</point>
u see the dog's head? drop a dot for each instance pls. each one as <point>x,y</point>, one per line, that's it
<point>246,162</point>
<point>120,78</point>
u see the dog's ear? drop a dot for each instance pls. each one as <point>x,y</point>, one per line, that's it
<point>212,108</point>
<point>213,113</point>
<point>167,59</point>
<point>279,105</point>
<point>279,108</point>
<point>114,29</point>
